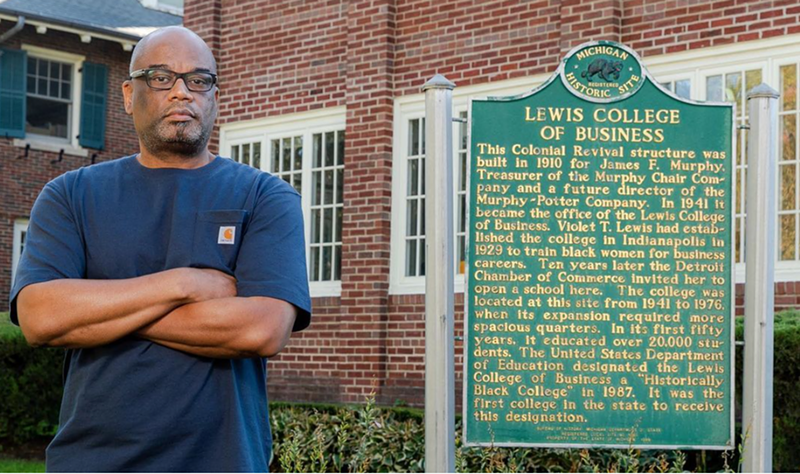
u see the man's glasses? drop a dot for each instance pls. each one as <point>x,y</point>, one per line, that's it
<point>164,79</point>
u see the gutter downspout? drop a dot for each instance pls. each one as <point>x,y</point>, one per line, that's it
<point>16,29</point>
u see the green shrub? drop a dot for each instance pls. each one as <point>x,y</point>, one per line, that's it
<point>334,438</point>
<point>30,387</point>
<point>786,388</point>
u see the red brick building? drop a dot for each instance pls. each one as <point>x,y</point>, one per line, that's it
<point>62,64</point>
<point>342,80</point>
<point>326,94</point>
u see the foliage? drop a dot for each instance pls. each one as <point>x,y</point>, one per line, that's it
<point>332,438</point>
<point>369,439</point>
<point>30,387</point>
<point>786,388</point>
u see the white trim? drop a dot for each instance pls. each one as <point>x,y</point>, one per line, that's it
<point>20,226</point>
<point>40,142</point>
<point>77,31</point>
<point>304,124</point>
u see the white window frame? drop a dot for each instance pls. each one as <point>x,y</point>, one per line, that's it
<point>412,107</point>
<point>305,124</point>
<point>20,227</point>
<point>71,144</point>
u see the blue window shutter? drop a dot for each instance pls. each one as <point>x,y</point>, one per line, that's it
<point>93,106</point>
<point>13,70</point>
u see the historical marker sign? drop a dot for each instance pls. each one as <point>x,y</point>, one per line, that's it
<point>599,306</point>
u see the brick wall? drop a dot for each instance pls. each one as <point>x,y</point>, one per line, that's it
<point>283,57</point>
<point>21,179</point>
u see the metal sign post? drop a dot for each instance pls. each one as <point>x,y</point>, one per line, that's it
<point>439,298</point>
<point>759,299</point>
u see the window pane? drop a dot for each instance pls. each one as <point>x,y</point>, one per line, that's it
<point>337,262</point>
<point>276,156</point>
<point>788,137</point>
<point>411,218</point>
<point>733,91</point>
<point>328,187</point>
<point>286,155</point>
<point>340,147</point>
<point>683,88</point>
<point>235,153</point>
<point>314,269</point>
<point>327,262</point>
<point>330,145</point>
<point>752,78</point>
<point>66,91</point>
<point>46,117</point>
<point>421,252</point>
<point>298,153</point>
<point>787,237</point>
<point>246,154</point>
<point>739,256</point>
<point>257,155</point>
<point>317,150</point>
<point>413,174</point>
<point>739,191</point>
<point>714,88</point>
<point>327,225</point>
<point>413,140</point>
<point>315,226</point>
<point>298,186</point>
<point>316,188</point>
<point>338,224</point>
<point>422,216</point>
<point>339,186</point>
<point>789,87</point>
<point>422,135</point>
<point>41,86</point>
<point>788,175</point>
<point>54,89</point>
<point>411,257</point>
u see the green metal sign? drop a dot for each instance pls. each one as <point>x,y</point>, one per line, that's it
<point>599,304</point>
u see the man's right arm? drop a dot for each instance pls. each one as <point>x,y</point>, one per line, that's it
<point>86,313</point>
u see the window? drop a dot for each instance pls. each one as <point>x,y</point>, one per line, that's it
<point>53,101</point>
<point>287,160</point>
<point>49,98</point>
<point>307,151</point>
<point>788,206</point>
<point>327,192</point>
<point>461,194</point>
<point>681,87</point>
<point>20,232</point>
<point>732,87</point>
<point>415,199</point>
<point>247,153</point>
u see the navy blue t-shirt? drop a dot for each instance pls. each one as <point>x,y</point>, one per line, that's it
<point>134,405</point>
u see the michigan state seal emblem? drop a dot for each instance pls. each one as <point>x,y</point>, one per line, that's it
<point>602,71</point>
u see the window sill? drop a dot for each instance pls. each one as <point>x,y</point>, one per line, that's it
<point>41,145</point>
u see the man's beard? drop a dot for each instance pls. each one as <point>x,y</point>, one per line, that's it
<point>186,139</point>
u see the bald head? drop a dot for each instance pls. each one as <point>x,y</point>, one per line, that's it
<point>176,37</point>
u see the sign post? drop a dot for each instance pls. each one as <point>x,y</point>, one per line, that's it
<point>599,306</point>
<point>439,297</point>
<point>759,299</point>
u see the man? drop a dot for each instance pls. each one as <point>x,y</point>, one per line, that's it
<point>169,275</point>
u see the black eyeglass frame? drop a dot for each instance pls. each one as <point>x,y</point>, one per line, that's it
<point>145,73</point>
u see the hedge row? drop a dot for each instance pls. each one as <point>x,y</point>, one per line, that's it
<point>31,387</point>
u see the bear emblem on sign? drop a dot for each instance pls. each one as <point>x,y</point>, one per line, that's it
<point>606,69</point>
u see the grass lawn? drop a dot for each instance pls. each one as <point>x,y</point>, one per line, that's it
<point>19,465</point>
<point>5,325</point>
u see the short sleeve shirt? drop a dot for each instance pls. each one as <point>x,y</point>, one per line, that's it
<point>134,405</point>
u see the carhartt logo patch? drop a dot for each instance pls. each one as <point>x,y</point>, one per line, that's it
<point>227,234</point>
